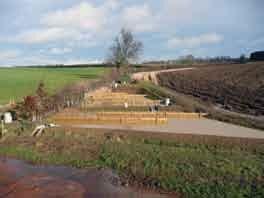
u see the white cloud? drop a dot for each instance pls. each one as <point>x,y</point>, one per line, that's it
<point>59,51</point>
<point>25,60</point>
<point>81,25</point>
<point>139,18</point>
<point>82,61</point>
<point>185,11</point>
<point>9,54</point>
<point>72,26</point>
<point>41,59</point>
<point>44,35</point>
<point>177,8</point>
<point>111,4</point>
<point>196,41</point>
<point>84,16</point>
<point>87,24</point>
<point>18,58</point>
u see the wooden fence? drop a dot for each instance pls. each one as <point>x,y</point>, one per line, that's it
<point>122,117</point>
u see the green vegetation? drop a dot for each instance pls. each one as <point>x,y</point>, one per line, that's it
<point>125,78</point>
<point>18,82</point>
<point>190,169</point>
<point>193,166</point>
<point>153,91</point>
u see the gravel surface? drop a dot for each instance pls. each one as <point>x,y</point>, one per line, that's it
<point>196,127</point>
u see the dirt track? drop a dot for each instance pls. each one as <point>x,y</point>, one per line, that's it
<point>152,75</point>
<point>195,127</point>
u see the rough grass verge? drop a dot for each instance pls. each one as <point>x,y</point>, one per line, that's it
<point>194,166</point>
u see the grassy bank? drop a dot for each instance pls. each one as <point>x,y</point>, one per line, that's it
<point>18,82</point>
<point>193,166</point>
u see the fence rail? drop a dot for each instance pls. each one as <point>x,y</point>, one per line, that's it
<point>122,117</point>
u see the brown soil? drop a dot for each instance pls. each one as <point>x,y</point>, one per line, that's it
<point>152,75</point>
<point>22,180</point>
<point>235,87</point>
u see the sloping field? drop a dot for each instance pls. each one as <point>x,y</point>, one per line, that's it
<point>18,82</point>
<point>236,87</point>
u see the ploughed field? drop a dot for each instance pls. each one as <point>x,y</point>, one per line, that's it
<point>238,87</point>
<point>15,83</point>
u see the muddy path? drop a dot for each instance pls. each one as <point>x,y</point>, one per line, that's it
<point>152,75</point>
<point>19,179</point>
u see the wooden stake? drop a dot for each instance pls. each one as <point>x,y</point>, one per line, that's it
<point>2,128</point>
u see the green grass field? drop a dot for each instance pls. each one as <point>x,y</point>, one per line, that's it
<point>18,82</point>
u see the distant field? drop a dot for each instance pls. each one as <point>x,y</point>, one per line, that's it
<point>18,82</point>
<point>238,87</point>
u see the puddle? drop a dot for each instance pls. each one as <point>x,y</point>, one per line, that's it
<point>20,179</point>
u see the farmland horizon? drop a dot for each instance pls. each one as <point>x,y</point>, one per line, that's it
<point>103,63</point>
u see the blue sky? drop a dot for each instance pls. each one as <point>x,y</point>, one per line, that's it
<point>71,31</point>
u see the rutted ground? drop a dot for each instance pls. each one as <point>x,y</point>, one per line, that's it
<point>235,87</point>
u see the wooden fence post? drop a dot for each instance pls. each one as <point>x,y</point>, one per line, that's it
<point>2,129</point>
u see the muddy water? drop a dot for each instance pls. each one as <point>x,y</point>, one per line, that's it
<point>19,179</point>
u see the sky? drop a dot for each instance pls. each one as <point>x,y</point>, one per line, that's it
<point>40,32</point>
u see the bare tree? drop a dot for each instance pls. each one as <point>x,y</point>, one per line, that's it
<point>125,49</point>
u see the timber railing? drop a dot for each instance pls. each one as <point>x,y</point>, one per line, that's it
<point>122,117</point>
